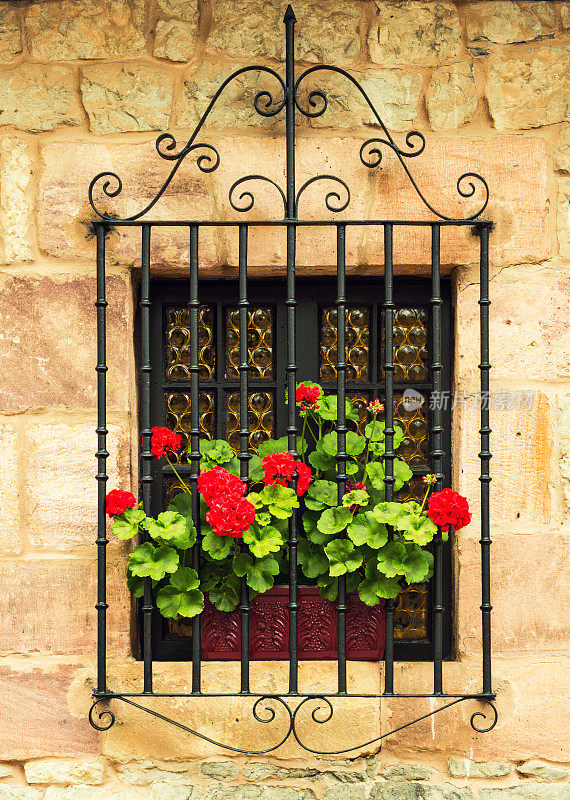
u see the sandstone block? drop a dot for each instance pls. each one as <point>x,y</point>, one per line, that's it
<point>525,791</point>
<point>85,29</point>
<point>324,31</point>
<point>528,332</point>
<point>408,772</point>
<point>43,725</point>
<point>528,93</point>
<point>409,33</point>
<point>175,39</point>
<point>184,9</point>
<point>14,793</point>
<point>16,201</point>
<point>408,790</point>
<point>48,351</point>
<point>522,464</point>
<point>464,768</point>
<point>65,216</point>
<point>36,97</point>
<point>564,217</point>
<point>11,534</point>
<point>128,97</point>
<point>565,15</point>
<point>562,151</point>
<point>166,791</point>
<point>219,770</point>
<point>564,439</point>
<point>48,606</point>
<point>451,96</point>
<point>505,22</point>
<point>10,34</point>
<point>153,776</point>
<point>80,792</point>
<point>61,490</point>
<point>345,793</point>
<point>51,770</point>
<point>546,772</point>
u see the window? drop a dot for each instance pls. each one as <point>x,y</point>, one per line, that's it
<point>316,358</point>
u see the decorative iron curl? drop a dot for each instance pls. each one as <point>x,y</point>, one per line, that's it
<point>373,156</point>
<point>487,728</point>
<point>248,196</point>
<point>315,98</point>
<point>166,144</point>
<point>330,196</point>
<point>100,714</point>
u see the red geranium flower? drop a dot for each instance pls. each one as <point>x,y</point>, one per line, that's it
<point>231,516</point>
<point>118,501</point>
<point>164,439</point>
<point>448,509</point>
<point>219,483</point>
<point>307,396</point>
<point>280,468</point>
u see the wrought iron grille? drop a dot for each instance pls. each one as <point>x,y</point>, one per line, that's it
<point>293,702</point>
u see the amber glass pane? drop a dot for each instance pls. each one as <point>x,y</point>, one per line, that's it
<point>259,343</point>
<point>360,403</point>
<point>178,416</point>
<point>261,418</point>
<point>410,345</point>
<point>410,618</point>
<point>178,343</point>
<point>357,344</point>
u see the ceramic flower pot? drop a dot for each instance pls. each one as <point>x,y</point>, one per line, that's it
<point>318,628</point>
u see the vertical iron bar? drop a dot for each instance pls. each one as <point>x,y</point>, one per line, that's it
<point>485,456</point>
<point>436,451</point>
<point>289,19</point>
<point>341,435</point>
<point>193,368</point>
<point>244,455</point>
<point>102,455</point>
<point>389,454</point>
<point>146,478</point>
<point>291,303</point>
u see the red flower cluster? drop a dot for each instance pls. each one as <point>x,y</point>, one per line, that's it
<point>163,439</point>
<point>448,509</point>
<point>307,396</point>
<point>279,468</point>
<point>231,516</point>
<point>230,513</point>
<point>118,501</point>
<point>218,482</point>
<point>355,508</point>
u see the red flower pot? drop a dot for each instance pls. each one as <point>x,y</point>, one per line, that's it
<point>317,625</point>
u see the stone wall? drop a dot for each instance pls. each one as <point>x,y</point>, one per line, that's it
<point>87,85</point>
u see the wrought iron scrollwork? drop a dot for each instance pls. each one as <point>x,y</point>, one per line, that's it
<point>331,196</point>
<point>248,196</point>
<point>265,711</point>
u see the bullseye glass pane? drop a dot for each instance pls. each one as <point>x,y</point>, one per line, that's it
<point>178,343</point>
<point>261,418</point>
<point>260,338</point>
<point>178,418</point>
<point>357,344</point>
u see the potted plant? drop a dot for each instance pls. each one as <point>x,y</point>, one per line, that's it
<point>244,533</point>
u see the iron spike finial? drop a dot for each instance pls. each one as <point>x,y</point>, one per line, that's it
<point>289,14</point>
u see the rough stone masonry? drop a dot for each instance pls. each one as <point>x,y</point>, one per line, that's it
<point>87,85</point>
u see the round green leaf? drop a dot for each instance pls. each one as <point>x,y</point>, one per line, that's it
<point>391,559</point>
<point>343,557</point>
<point>147,561</point>
<point>263,540</point>
<point>365,529</point>
<point>126,525</point>
<point>173,602</point>
<point>312,560</point>
<point>217,546</point>
<point>334,520</point>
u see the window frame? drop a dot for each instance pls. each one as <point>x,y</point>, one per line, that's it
<point>311,293</point>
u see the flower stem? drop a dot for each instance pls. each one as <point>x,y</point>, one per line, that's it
<point>303,434</point>
<point>184,486</point>
<point>425,497</point>
<point>367,452</point>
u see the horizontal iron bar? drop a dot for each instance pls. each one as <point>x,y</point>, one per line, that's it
<point>348,695</point>
<point>209,223</point>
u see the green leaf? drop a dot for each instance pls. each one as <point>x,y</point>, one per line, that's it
<point>185,578</point>
<point>181,504</point>
<point>328,587</point>
<point>351,468</point>
<point>327,409</point>
<point>343,557</point>
<point>375,431</point>
<point>211,573</point>
<point>365,529</point>
<point>417,528</point>
<point>255,499</point>
<point>126,525</point>
<point>172,602</point>
<point>391,559</point>
<point>375,473</point>
<point>334,520</point>
<point>320,460</point>
<point>280,500</point>
<point>263,518</point>
<point>356,497</point>
<point>263,540</point>
<point>310,520</point>
<point>152,562</point>
<point>311,558</point>
<point>259,573</point>
<point>217,451</point>
<point>136,585</point>
<point>321,494</point>
<point>225,596</point>
<point>417,564</point>
<point>373,589</point>
<point>255,469</point>
<point>402,473</point>
<point>173,529</point>
<point>217,546</point>
<point>389,513</point>
<point>355,444</point>
<point>280,446</point>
